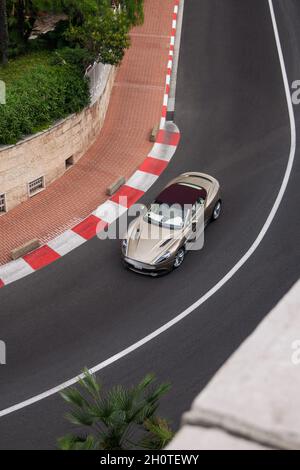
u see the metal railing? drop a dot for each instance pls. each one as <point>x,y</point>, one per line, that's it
<point>98,74</point>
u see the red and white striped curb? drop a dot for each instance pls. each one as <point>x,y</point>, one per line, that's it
<point>156,162</point>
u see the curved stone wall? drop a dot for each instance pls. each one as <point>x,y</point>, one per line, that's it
<point>45,154</point>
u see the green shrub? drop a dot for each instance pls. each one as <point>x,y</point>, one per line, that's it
<point>78,57</point>
<point>39,97</point>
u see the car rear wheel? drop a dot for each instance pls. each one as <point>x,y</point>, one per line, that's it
<point>217,211</point>
<point>179,258</point>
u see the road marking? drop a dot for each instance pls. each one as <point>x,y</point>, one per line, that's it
<point>223,281</point>
<point>127,196</point>
<point>14,271</point>
<point>178,12</point>
<point>154,166</point>
<point>89,227</point>
<point>66,242</point>
<point>109,211</point>
<point>41,257</point>
<point>162,152</point>
<point>141,180</point>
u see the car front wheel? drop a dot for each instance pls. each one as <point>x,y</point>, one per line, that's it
<point>217,211</point>
<point>179,258</point>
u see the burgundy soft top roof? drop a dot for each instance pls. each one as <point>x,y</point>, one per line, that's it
<point>180,194</point>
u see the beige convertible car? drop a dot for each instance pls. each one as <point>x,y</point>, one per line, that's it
<point>156,241</point>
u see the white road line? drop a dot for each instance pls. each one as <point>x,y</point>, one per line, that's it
<point>176,54</point>
<point>162,123</point>
<point>14,271</point>
<point>223,281</point>
<point>141,180</point>
<point>66,242</point>
<point>109,211</point>
<point>162,152</point>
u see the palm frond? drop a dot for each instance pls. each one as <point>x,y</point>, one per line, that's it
<point>143,412</point>
<point>118,418</point>
<point>90,384</point>
<point>71,442</point>
<point>73,397</point>
<point>145,383</point>
<point>102,410</point>
<point>159,434</point>
<point>120,399</point>
<point>158,392</point>
<point>81,417</point>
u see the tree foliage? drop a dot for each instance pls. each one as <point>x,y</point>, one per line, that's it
<point>93,31</point>
<point>3,33</point>
<point>121,419</point>
<point>134,10</point>
<point>105,37</point>
<point>92,24</point>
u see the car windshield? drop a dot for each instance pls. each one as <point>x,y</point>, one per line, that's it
<point>166,216</point>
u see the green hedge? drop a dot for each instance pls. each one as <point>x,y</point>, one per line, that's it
<point>39,97</point>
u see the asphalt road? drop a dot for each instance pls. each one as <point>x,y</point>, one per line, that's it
<point>232,112</point>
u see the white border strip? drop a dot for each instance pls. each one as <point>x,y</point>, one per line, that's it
<point>176,53</point>
<point>223,281</point>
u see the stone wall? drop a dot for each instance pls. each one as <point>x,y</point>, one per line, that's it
<point>253,401</point>
<point>45,154</point>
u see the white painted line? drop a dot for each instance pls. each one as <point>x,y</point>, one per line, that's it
<point>176,53</point>
<point>168,79</point>
<point>174,23</point>
<point>66,242</point>
<point>109,211</point>
<point>223,281</point>
<point>172,40</point>
<point>171,104</point>
<point>162,152</point>
<point>170,64</point>
<point>162,123</point>
<point>14,271</point>
<point>166,99</point>
<point>176,9</point>
<point>141,180</point>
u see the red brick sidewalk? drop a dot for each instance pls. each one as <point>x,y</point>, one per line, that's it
<point>123,143</point>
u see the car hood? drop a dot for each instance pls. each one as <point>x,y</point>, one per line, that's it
<point>147,242</point>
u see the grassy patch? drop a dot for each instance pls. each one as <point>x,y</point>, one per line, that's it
<point>39,92</point>
<point>16,68</point>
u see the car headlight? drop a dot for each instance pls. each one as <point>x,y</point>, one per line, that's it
<point>124,246</point>
<point>163,257</point>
